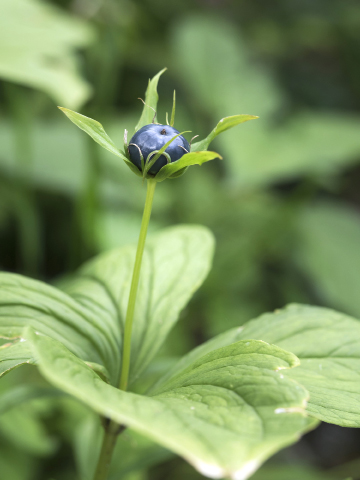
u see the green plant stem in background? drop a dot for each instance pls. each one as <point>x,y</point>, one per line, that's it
<point>125,366</point>
<point>111,433</point>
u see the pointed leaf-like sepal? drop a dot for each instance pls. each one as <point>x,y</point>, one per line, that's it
<point>175,169</point>
<point>95,130</point>
<point>224,124</point>
<point>150,104</point>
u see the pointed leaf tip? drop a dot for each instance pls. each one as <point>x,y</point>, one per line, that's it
<point>224,124</point>
<point>95,130</point>
<point>151,99</point>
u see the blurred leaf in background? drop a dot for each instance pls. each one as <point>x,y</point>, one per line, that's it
<point>328,252</point>
<point>37,49</point>
<point>220,73</point>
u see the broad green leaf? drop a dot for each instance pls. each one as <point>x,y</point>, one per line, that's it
<point>151,99</point>
<point>225,414</point>
<point>13,355</point>
<point>24,301</point>
<point>89,321</point>
<point>193,158</point>
<point>41,53</point>
<point>224,124</point>
<point>95,130</point>
<point>328,252</point>
<point>175,263</point>
<point>222,340</point>
<point>327,344</point>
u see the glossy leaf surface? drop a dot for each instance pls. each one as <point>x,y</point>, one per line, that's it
<point>225,414</point>
<point>327,344</point>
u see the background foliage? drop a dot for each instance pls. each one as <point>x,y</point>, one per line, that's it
<point>283,205</point>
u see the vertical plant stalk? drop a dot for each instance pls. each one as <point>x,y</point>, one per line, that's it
<point>108,444</point>
<point>112,429</point>
<point>125,366</point>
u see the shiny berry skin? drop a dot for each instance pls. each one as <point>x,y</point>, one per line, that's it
<point>153,137</point>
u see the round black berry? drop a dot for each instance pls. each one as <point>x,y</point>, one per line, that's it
<point>153,137</point>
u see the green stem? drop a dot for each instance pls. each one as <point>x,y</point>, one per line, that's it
<point>109,441</point>
<point>112,430</point>
<point>125,366</point>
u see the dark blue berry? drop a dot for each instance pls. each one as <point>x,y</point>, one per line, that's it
<point>152,137</point>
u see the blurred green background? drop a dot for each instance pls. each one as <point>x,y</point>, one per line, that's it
<point>284,204</point>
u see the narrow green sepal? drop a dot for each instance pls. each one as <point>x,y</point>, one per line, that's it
<point>179,173</point>
<point>133,168</point>
<point>173,169</point>
<point>150,103</point>
<point>94,129</point>
<point>224,124</point>
<point>172,120</point>
<point>150,161</point>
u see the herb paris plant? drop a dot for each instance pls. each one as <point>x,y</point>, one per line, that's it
<point>227,405</point>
